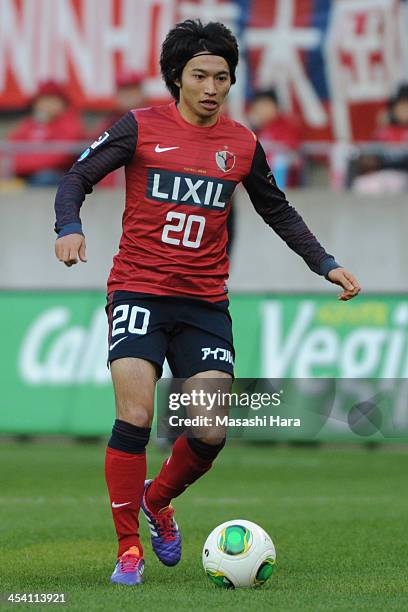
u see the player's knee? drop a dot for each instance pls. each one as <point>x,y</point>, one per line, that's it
<point>213,436</point>
<point>136,414</point>
<point>208,447</point>
<point>129,438</point>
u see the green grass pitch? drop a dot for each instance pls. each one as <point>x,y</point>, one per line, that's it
<point>338,518</point>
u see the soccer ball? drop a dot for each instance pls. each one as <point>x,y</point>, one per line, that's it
<point>238,554</point>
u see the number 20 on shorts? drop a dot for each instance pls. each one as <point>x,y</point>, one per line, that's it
<point>136,318</point>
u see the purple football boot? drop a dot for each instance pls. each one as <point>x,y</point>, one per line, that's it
<point>165,535</point>
<point>129,568</point>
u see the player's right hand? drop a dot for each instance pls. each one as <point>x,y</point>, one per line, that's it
<point>70,248</point>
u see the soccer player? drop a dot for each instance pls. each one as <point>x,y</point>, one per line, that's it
<point>167,294</point>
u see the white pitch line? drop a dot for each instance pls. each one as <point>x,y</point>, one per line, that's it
<point>225,500</point>
<point>274,461</point>
<point>51,500</point>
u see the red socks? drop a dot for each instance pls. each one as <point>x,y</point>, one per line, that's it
<point>181,469</point>
<point>125,474</point>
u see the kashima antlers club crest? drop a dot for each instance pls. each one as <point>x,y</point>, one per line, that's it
<point>225,160</point>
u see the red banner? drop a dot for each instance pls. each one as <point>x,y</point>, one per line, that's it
<point>332,63</point>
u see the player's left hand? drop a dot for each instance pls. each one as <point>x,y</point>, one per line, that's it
<point>342,277</point>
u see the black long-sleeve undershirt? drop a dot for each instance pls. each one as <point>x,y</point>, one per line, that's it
<point>271,204</point>
<point>94,164</point>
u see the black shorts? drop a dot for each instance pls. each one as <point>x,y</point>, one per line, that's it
<point>194,335</point>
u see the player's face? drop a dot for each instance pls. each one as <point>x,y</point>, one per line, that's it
<point>262,111</point>
<point>401,112</point>
<point>204,83</point>
<point>48,107</point>
<point>129,96</point>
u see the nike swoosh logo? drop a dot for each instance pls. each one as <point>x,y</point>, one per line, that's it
<point>115,505</point>
<point>160,149</point>
<point>112,346</point>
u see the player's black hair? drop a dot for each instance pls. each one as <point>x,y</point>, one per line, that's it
<point>400,95</point>
<point>187,39</point>
<point>270,94</point>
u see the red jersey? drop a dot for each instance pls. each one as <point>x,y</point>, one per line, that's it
<point>282,135</point>
<point>180,179</point>
<point>392,134</point>
<point>179,186</point>
<point>282,131</point>
<point>66,127</point>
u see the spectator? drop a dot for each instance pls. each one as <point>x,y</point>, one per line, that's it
<point>279,135</point>
<point>395,129</point>
<point>385,170</point>
<point>52,119</point>
<point>129,94</point>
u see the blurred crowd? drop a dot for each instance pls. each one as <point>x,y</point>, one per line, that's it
<point>52,119</point>
<point>44,144</point>
<point>382,167</point>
